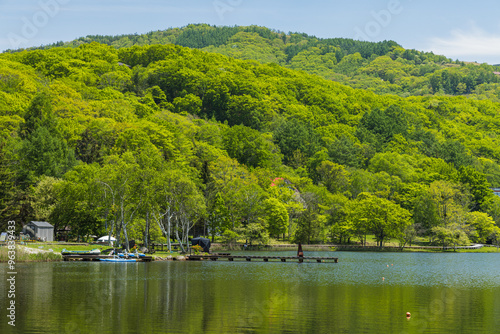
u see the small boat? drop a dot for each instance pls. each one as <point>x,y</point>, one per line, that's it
<point>95,251</point>
<point>118,259</point>
<point>131,255</point>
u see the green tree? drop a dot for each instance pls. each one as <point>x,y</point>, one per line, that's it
<point>477,185</point>
<point>250,147</point>
<point>384,218</point>
<point>292,136</point>
<point>190,104</point>
<point>79,203</point>
<point>40,113</point>
<point>385,124</point>
<point>333,176</point>
<point>481,226</point>
<point>452,234</point>
<point>218,217</point>
<point>277,216</point>
<point>42,153</point>
<point>311,222</point>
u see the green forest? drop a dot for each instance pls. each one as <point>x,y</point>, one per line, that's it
<point>249,134</point>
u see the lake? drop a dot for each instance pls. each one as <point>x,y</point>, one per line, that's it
<point>363,293</point>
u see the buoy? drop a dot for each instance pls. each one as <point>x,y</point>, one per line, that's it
<point>383,278</point>
<point>387,266</point>
<point>408,314</point>
<point>392,264</point>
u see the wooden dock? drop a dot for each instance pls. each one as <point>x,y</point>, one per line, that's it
<point>97,257</point>
<point>249,258</point>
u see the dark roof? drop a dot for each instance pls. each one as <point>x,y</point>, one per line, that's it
<point>40,224</point>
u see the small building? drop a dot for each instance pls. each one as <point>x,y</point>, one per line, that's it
<point>496,191</point>
<point>39,230</point>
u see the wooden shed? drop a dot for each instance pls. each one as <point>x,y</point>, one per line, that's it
<point>39,230</point>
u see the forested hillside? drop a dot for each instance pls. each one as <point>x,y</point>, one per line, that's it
<point>383,67</point>
<point>168,141</point>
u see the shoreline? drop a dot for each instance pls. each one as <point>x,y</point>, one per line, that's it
<point>29,254</point>
<point>358,248</point>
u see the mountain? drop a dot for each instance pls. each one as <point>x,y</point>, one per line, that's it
<point>171,141</point>
<point>383,67</point>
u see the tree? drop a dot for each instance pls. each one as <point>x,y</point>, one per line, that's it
<point>254,232</point>
<point>122,190</point>
<point>277,216</point>
<point>218,217</point>
<point>477,185</point>
<point>78,203</point>
<point>452,234</point>
<point>311,222</point>
<point>44,197</point>
<point>237,187</point>
<point>250,147</point>
<point>333,176</point>
<point>385,124</point>
<point>40,113</point>
<point>449,199</point>
<point>190,104</point>
<point>481,226</point>
<point>178,205</point>
<point>292,136</point>
<point>43,153</point>
<point>384,218</point>
<point>453,152</point>
<point>286,193</point>
<point>9,193</point>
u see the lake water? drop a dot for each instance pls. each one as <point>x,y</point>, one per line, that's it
<point>445,293</point>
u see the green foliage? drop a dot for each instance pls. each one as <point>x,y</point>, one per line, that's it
<point>277,216</point>
<point>477,185</point>
<point>379,216</point>
<point>482,226</point>
<point>382,126</point>
<point>218,218</point>
<point>254,233</point>
<point>295,137</point>
<point>111,137</point>
<point>250,147</point>
<point>45,154</point>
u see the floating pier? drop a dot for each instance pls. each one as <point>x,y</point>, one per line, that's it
<point>97,257</point>
<point>215,257</point>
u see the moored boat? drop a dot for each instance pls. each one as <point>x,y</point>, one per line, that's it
<point>95,251</point>
<point>118,259</point>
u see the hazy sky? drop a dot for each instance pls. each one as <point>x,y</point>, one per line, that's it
<point>467,31</point>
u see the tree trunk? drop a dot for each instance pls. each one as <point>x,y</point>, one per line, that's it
<point>126,238</point>
<point>146,232</point>
<point>179,241</point>
<point>169,244</point>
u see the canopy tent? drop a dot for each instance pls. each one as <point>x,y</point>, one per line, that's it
<point>203,242</point>
<point>105,238</point>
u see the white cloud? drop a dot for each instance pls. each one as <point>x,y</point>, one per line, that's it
<point>474,44</point>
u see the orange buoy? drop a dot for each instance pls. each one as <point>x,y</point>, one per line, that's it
<point>387,266</point>
<point>408,314</point>
<point>383,278</point>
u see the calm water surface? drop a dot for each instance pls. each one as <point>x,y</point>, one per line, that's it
<point>445,293</point>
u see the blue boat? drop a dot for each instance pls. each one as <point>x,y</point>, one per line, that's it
<point>131,255</point>
<point>94,251</point>
<point>118,259</point>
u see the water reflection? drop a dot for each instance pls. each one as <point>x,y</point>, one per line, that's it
<point>443,292</point>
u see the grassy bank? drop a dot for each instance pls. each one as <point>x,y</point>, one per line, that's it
<point>25,256</point>
<point>58,247</point>
<point>357,248</point>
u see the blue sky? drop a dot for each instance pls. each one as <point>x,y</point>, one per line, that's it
<point>466,31</point>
